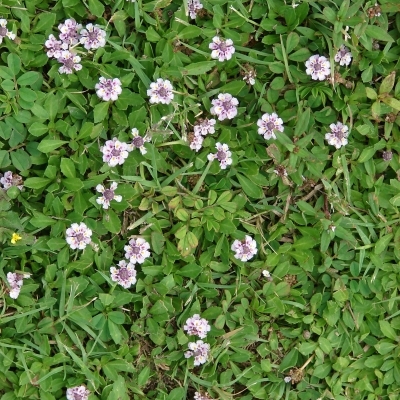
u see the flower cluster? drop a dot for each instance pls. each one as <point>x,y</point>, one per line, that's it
<point>223,155</point>
<point>318,67</point>
<point>78,393</point>
<point>160,92</point>
<point>108,89</point>
<point>197,326</point>
<point>4,32</point>
<point>343,56</point>
<point>193,8</point>
<point>225,107</point>
<point>199,350</point>
<point>244,249</point>
<point>78,236</point>
<point>221,49</point>
<point>125,275</point>
<point>200,396</point>
<point>338,135</point>
<point>15,281</point>
<point>107,195</point>
<point>268,124</point>
<point>201,128</point>
<point>10,179</point>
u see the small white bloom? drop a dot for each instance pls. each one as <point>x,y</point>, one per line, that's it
<point>137,251</point>
<point>266,273</point>
<point>221,49</point>
<point>318,67</point>
<point>338,135</point>
<point>78,236</point>
<point>343,56</point>
<point>160,92</point>
<point>138,142</point>
<point>108,195</point>
<point>268,124</point>
<point>125,275</point>
<point>287,379</point>
<point>244,249</point>
<point>223,155</point>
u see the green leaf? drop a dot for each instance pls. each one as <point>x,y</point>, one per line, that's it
<point>176,394</point>
<point>233,88</point>
<point>38,129</point>
<point>303,122</point>
<point>14,63</point>
<point>101,111</point>
<point>36,183</point>
<point>73,184</point>
<point>198,68</point>
<point>189,32</point>
<point>292,41</point>
<point>157,242</point>
<point>250,188</point>
<point>68,168</point>
<point>45,22</point>
<point>388,330</point>
<point>28,78</point>
<point>388,83</point>
<point>190,270</point>
<point>378,33</point>
<point>46,146</point>
<point>96,8</point>
<point>111,221</point>
<point>383,243</point>
<point>40,220</point>
<point>115,331</point>
<point>366,154</point>
<point>392,102</point>
<point>322,371</point>
<point>21,160</point>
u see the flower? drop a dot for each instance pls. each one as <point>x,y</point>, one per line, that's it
<point>221,49</point>
<point>15,281</point>
<point>269,123</point>
<point>78,236</point>
<point>387,155</point>
<point>193,7</point>
<point>225,106</point>
<point>223,155</point>
<point>160,92</point>
<point>108,195</point>
<point>244,249</point>
<point>70,62</point>
<point>137,250</point>
<point>200,396</point>
<point>55,47</point>
<point>338,135</point>
<point>70,31</point>
<point>114,152</point>
<point>92,37</point>
<point>4,31</point>
<point>287,379</point>
<point>266,274</point>
<point>9,179</point>
<point>78,393</point>
<point>250,77</point>
<point>343,56</point>
<point>15,238</point>
<point>204,126</point>
<point>196,142</point>
<point>108,89</point>
<point>138,142</point>
<point>197,326</point>
<point>318,67</point>
<point>125,275</point>
<point>199,350</point>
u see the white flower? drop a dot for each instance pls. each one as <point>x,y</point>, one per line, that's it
<point>70,62</point>
<point>125,275</point>
<point>108,195</point>
<point>160,92</point>
<point>193,7</point>
<point>225,107</point>
<point>196,142</point>
<point>338,135</point>
<point>4,32</point>
<point>343,56</point>
<point>78,393</point>
<point>287,379</point>
<point>15,281</point>
<point>244,249</point>
<point>204,126</point>
<point>199,350</point>
<point>138,142</point>
<point>108,89</point>
<point>197,326</point>
<point>114,152</point>
<point>268,124</point>
<point>318,67</point>
<point>78,236</point>
<point>266,273</point>
<point>221,49</point>
<point>223,155</point>
<point>137,251</point>
<point>92,37</point>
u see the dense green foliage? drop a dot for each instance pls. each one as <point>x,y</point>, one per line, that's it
<point>326,220</point>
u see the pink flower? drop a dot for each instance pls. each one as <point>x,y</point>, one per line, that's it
<point>268,124</point>
<point>92,37</point>
<point>244,249</point>
<point>343,55</point>
<point>318,67</point>
<point>199,350</point>
<point>70,31</point>
<point>9,179</point>
<point>55,47</point>
<point>78,393</point>
<point>193,7</point>
<point>338,135</point>
<point>196,142</point>
<point>137,251</point>
<point>204,126</point>
<point>70,62</point>
<point>114,152</point>
<point>225,107</point>
<point>125,275</point>
<point>197,326</point>
<point>4,32</point>
<point>138,142</point>
<point>78,236</point>
<point>221,49</point>
<point>15,281</point>
<point>108,89</point>
<point>223,155</point>
<point>160,92</point>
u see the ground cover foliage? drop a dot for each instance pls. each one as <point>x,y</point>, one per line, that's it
<point>314,314</point>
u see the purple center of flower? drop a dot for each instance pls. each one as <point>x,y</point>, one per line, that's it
<point>221,155</point>
<point>115,152</point>
<point>222,46</point>
<point>108,194</point>
<point>246,249</point>
<point>3,31</point>
<point>162,92</point>
<point>226,105</point>
<point>270,126</point>
<point>138,141</point>
<point>78,396</point>
<point>317,66</point>
<point>69,63</point>
<point>338,132</point>
<point>80,237</point>
<point>124,274</point>
<point>135,249</point>
<point>92,36</point>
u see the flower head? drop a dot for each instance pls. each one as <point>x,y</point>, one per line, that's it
<point>244,249</point>
<point>387,155</point>
<point>15,238</point>
<point>200,396</point>
<point>193,8</point>
<point>204,126</point>
<point>225,107</point>
<point>343,56</point>
<point>287,379</point>
<point>108,89</point>
<point>125,275</point>
<point>55,47</point>
<point>268,124</point>
<point>4,31</point>
<point>15,281</point>
<point>107,195</point>
<point>9,179</point>
<point>221,49</point>
<point>138,142</point>
<point>199,350</point>
<point>137,251</point>
<point>70,31</point>
<point>78,393</point>
<point>70,62</point>
<point>223,155</point>
<point>197,326</point>
<point>318,67</point>
<point>78,236</point>
<point>92,37</point>
<point>338,135</point>
<point>160,92</point>
<point>250,77</point>
<point>196,142</point>
<point>114,152</point>
<point>266,274</point>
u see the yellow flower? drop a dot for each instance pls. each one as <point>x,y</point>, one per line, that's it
<point>15,238</point>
